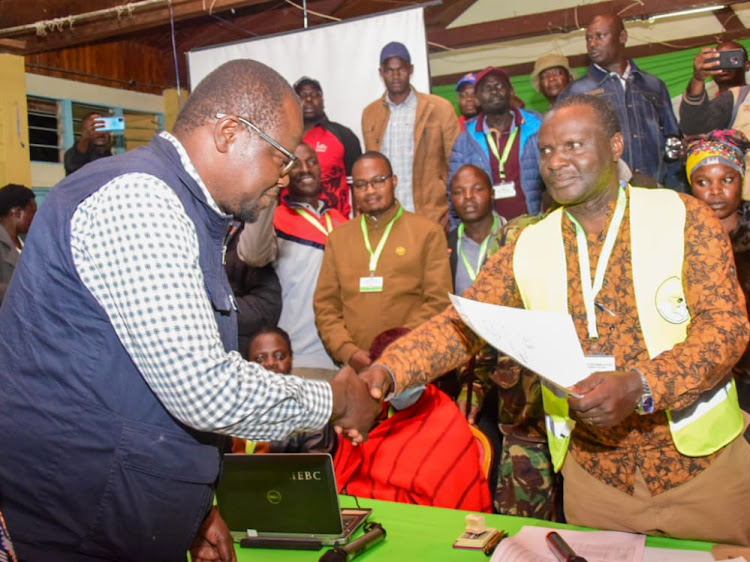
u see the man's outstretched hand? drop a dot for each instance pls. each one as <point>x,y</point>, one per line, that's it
<point>354,409</point>
<point>379,381</point>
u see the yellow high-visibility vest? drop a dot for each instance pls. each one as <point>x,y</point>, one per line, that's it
<point>657,222</point>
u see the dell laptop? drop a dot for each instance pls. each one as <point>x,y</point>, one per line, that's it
<point>284,501</point>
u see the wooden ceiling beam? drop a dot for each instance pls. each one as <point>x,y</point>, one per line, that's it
<point>444,14</point>
<point>288,18</point>
<point>634,52</point>
<point>729,20</point>
<point>555,21</point>
<point>89,30</point>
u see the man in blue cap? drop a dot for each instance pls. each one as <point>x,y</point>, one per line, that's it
<point>416,132</point>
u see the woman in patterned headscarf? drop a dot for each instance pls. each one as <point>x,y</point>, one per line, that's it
<point>715,167</point>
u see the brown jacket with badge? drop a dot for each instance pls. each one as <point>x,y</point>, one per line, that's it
<point>416,280</point>
<point>435,130</point>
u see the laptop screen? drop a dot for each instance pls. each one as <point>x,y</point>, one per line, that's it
<point>280,494</point>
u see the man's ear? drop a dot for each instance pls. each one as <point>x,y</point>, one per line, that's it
<point>617,145</point>
<point>623,37</point>
<point>226,131</point>
<point>395,182</point>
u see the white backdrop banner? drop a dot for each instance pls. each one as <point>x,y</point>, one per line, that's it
<point>343,57</point>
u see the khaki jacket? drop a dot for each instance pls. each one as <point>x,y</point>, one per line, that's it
<point>436,128</point>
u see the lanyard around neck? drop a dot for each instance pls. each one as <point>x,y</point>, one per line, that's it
<point>375,256</point>
<point>590,290</point>
<point>309,218</point>
<point>482,250</point>
<point>501,160</point>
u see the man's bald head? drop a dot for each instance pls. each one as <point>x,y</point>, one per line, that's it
<point>241,87</point>
<point>605,40</point>
<point>613,20</point>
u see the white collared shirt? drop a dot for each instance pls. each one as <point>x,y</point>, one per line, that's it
<point>398,146</point>
<point>136,250</point>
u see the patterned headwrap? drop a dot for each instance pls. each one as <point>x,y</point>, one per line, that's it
<point>727,146</point>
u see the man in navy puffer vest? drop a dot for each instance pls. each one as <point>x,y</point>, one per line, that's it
<point>118,359</point>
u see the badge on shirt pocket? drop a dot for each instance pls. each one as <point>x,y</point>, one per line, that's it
<point>504,190</point>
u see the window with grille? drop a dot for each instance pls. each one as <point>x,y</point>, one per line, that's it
<point>45,143</point>
<point>50,122</point>
<point>139,126</point>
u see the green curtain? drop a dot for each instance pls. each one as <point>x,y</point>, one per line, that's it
<point>675,69</point>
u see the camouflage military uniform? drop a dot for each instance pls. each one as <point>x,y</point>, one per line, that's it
<point>527,484</point>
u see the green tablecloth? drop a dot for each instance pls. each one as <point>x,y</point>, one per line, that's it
<point>417,533</point>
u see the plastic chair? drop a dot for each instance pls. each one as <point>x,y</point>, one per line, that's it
<point>485,450</point>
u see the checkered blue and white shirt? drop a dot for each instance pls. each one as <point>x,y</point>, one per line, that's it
<point>136,250</point>
<point>398,146</point>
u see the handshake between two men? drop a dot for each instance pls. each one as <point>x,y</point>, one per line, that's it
<point>357,400</point>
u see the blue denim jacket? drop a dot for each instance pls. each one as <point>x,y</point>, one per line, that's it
<point>646,117</point>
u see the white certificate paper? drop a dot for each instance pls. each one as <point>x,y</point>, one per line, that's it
<point>545,342</point>
<point>529,545</point>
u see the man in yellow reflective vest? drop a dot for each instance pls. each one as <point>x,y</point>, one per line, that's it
<point>655,442</point>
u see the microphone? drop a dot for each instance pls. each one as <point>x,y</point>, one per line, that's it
<point>374,535</point>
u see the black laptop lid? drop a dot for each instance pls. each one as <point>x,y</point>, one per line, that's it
<point>280,494</point>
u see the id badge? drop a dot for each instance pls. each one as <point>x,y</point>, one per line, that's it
<point>600,363</point>
<point>370,284</point>
<point>504,190</point>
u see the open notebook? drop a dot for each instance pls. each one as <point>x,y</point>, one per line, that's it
<point>285,500</point>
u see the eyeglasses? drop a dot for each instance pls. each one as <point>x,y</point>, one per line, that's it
<point>376,182</point>
<point>292,158</point>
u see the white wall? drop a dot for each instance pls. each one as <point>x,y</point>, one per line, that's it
<point>344,57</point>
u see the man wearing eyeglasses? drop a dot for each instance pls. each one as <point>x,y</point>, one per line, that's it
<point>121,383</point>
<point>386,269</point>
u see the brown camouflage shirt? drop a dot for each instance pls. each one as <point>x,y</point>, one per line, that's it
<point>717,335</point>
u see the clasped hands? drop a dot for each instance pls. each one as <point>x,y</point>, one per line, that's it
<point>357,400</point>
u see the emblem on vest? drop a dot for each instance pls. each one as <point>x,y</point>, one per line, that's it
<point>670,301</point>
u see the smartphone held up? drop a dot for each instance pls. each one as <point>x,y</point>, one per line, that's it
<point>111,124</point>
<point>729,59</point>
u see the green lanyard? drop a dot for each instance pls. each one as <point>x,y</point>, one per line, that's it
<point>329,226</point>
<point>482,250</point>
<point>501,160</point>
<point>590,290</point>
<point>375,256</point>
